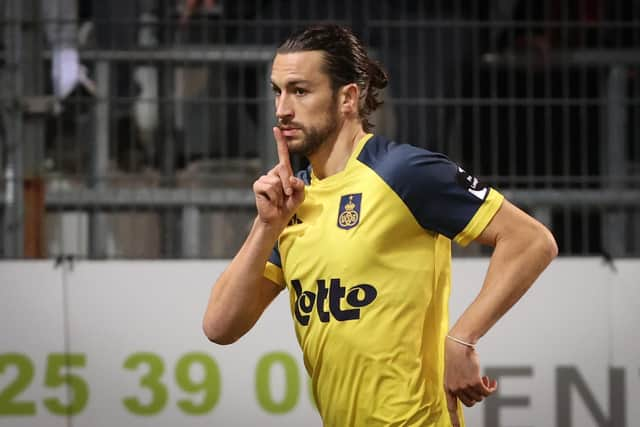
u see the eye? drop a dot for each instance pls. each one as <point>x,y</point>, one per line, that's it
<point>300,92</point>
<point>275,90</point>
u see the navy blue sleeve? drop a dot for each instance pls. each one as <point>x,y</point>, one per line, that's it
<point>274,258</point>
<point>441,196</point>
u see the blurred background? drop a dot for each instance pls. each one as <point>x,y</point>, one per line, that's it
<point>133,129</point>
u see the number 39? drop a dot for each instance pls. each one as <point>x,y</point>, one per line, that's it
<point>209,384</point>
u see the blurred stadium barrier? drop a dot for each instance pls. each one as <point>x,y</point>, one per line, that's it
<point>153,152</point>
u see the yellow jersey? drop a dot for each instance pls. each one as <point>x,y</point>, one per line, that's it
<point>367,262</point>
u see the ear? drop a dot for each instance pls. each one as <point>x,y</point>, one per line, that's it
<point>349,99</point>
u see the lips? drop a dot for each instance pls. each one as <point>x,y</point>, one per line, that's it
<point>290,131</point>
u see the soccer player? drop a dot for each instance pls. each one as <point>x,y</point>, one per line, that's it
<point>362,242</point>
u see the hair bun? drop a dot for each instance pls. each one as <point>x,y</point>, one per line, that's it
<point>378,78</point>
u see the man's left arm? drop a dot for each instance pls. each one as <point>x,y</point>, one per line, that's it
<point>523,248</point>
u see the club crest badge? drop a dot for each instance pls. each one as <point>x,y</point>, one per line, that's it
<point>349,212</point>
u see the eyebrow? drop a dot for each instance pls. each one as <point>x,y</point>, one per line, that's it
<point>292,83</point>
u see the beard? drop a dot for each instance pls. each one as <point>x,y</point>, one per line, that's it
<point>313,137</point>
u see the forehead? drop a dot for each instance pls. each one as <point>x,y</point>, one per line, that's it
<point>296,66</point>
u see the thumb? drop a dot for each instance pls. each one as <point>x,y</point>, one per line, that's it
<point>490,385</point>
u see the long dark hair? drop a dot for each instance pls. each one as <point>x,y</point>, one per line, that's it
<point>345,61</point>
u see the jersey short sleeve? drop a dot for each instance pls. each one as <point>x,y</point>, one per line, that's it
<point>273,267</point>
<point>442,196</point>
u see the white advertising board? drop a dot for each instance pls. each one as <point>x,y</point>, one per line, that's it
<point>120,343</point>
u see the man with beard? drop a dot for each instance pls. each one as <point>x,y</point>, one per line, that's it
<point>362,241</point>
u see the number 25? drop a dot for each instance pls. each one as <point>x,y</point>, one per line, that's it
<point>54,377</point>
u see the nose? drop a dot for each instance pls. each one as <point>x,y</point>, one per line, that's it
<point>284,110</point>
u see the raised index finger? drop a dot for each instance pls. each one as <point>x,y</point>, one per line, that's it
<point>283,150</point>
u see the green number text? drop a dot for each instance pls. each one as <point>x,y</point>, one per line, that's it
<point>54,377</point>
<point>209,385</point>
<point>8,406</point>
<point>263,383</point>
<point>151,381</point>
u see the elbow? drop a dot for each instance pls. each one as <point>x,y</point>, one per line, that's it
<point>547,245</point>
<point>553,247</point>
<point>217,333</point>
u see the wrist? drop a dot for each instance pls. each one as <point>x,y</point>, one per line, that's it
<point>464,334</point>
<point>267,230</point>
<point>458,341</point>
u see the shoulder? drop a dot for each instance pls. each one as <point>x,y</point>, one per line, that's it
<point>442,196</point>
<point>403,164</point>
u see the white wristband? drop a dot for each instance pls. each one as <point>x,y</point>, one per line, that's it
<point>459,341</point>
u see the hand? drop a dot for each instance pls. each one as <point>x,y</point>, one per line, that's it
<point>278,193</point>
<point>462,379</point>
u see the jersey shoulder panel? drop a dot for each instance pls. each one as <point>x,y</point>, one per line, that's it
<point>438,193</point>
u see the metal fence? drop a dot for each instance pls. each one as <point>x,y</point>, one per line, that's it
<point>151,154</point>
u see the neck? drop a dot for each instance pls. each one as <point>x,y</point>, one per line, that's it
<point>332,156</point>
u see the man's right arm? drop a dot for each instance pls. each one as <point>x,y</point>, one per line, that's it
<point>242,292</point>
